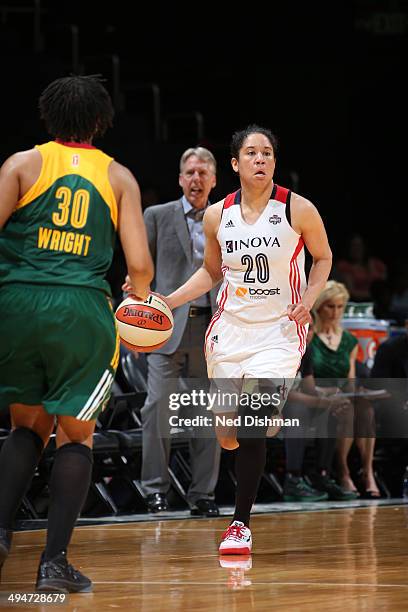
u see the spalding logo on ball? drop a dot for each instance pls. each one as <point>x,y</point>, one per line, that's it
<point>144,326</point>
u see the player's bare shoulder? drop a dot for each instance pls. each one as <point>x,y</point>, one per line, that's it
<point>212,217</point>
<point>23,168</point>
<point>302,211</point>
<point>22,159</point>
<point>121,180</point>
<point>119,173</point>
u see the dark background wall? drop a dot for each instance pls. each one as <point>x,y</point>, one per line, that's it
<point>328,78</point>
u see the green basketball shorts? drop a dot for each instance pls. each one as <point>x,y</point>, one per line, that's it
<point>58,347</point>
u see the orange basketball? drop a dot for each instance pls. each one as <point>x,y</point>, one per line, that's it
<point>144,326</point>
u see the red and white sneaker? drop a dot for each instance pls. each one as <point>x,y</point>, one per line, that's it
<point>236,540</point>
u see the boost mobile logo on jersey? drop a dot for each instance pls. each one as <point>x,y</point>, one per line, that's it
<point>241,291</point>
<point>255,242</point>
<point>256,294</point>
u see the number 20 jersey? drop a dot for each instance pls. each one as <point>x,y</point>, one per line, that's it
<point>62,231</point>
<point>262,263</point>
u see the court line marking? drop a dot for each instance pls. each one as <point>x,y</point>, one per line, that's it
<point>120,528</point>
<point>264,515</point>
<point>253,583</point>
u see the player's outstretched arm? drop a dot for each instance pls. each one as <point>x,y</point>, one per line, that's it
<point>308,222</point>
<point>132,230</point>
<point>210,273</point>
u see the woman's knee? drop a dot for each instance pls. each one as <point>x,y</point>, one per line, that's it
<point>34,418</point>
<point>228,443</point>
<point>71,429</point>
<point>227,434</point>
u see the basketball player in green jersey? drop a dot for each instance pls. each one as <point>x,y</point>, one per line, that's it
<point>60,206</point>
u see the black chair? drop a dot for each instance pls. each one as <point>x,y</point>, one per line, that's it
<point>134,370</point>
<point>122,420</point>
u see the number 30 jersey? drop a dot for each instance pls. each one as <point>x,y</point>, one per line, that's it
<point>62,231</point>
<point>262,263</point>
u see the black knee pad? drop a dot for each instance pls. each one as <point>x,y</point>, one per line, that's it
<point>76,447</point>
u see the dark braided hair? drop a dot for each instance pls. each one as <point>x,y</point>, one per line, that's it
<point>239,137</point>
<point>76,108</point>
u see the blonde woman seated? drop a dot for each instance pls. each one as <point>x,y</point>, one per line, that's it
<point>334,352</point>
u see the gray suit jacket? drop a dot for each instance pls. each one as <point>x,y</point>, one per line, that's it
<point>170,246</point>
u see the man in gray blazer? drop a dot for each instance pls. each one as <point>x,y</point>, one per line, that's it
<point>176,243</point>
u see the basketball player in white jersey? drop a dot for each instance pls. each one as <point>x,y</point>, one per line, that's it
<point>255,240</point>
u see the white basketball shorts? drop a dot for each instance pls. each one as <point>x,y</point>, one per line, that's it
<point>233,351</point>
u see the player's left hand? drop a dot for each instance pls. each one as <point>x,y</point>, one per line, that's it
<point>299,313</point>
<point>141,293</point>
<point>127,287</point>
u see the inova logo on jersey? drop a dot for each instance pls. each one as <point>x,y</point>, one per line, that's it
<point>255,242</point>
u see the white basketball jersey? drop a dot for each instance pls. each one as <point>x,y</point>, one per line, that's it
<point>262,263</point>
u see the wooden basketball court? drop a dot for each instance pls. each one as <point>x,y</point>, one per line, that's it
<point>348,559</point>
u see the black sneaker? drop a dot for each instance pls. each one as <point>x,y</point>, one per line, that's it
<point>335,492</point>
<point>157,502</point>
<point>296,489</point>
<point>5,544</point>
<point>58,576</point>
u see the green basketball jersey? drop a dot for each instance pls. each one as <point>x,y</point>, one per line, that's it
<point>63,229</point>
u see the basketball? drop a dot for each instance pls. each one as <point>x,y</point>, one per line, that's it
<point>144,326</point>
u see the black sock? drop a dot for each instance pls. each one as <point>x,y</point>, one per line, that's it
<point>326,445</point>
<point>325,452</point>
<point>19,457</point>
<point>295,452</point>
<point>69,485</point>
<point>249,465</point>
